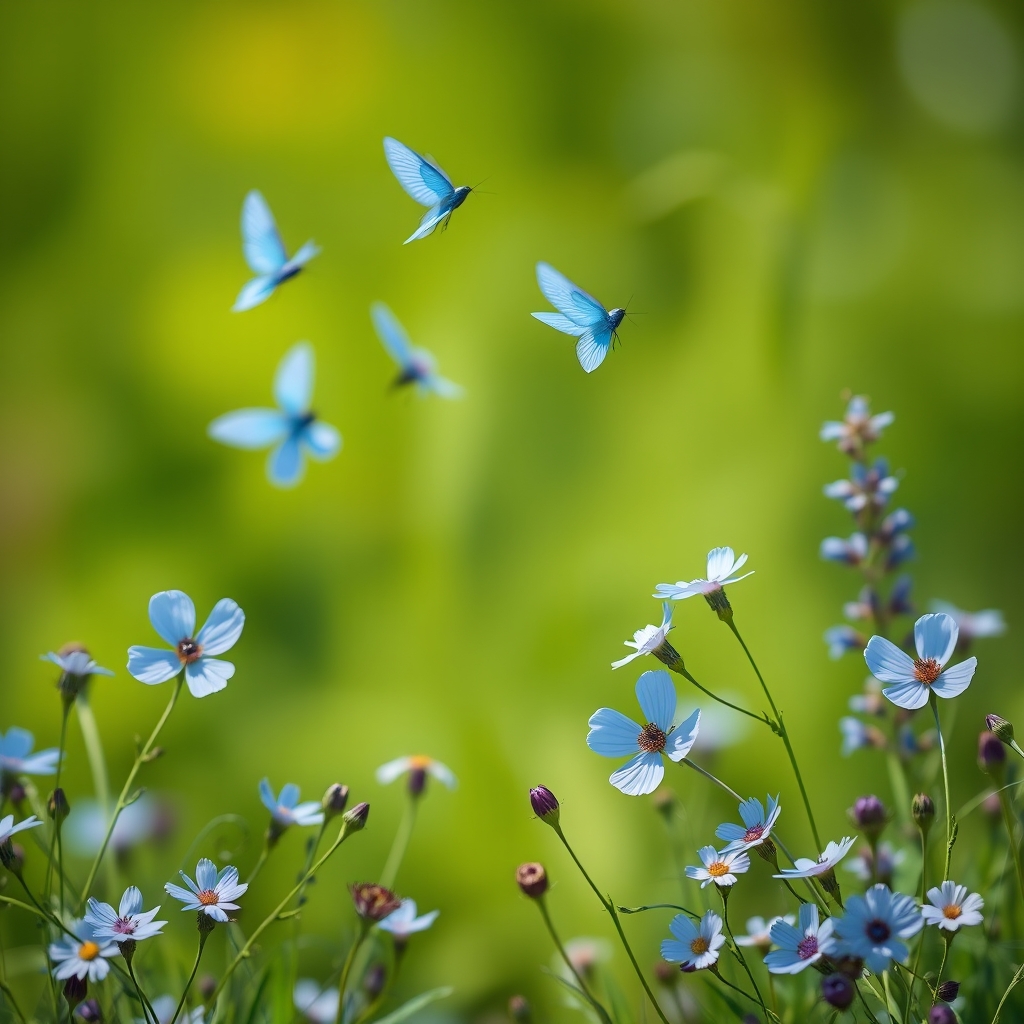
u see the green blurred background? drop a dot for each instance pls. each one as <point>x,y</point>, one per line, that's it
<point>800,197</point>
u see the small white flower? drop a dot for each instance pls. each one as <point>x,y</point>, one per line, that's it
<point>211,893</point>
<point>387,773</point>
<point>129,921</point>
<point>8,828</point>
<point>648,639</point>
<point>952,908</point>
<point>874,927</point>
<point>798,947</point>
<point>722,564</point>
<point>314,1002</point>
<point>16,757</point>
<point>694,946</point>
<point>84,956</point>
<point>756,828</point>
<point>972,625</point>
<point>759,931</point>
<point>403,922</point>
<point>720,868</point>
<point>807,868</point>
<point>935,637</point>
<point>285,808</point>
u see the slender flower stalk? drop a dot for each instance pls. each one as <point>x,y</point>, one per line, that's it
<point>364,930</point>
<point>950,837</point>
<point>724,893</point>
<point>204,934</point>
<point>93,749</point>
<point>401,842</point>
<point>1010,822</point>
<point>763,717</point>
<point>55,849</point>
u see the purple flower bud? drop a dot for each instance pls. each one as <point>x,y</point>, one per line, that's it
<point>373,981</point>
<point>58,807</point>
<point>75,990</point>
<point>838,990</point>
<point>923,809</point>
<point>868,813</point>
<point>991,753</point>
<point>207,986</point>
<point>334,800</point>
<point>532,879</point>
<point>949,990</point>
<point>545,805</point>
<point>90,1011</point>
<point>373,902</point>
<point>417,780</point>
<point>519,1008</point>
<point>940,1013</point>
<point>1000,726</point>
<point>355,819</point>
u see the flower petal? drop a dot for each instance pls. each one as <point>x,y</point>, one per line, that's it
<point>322,441</point>
<point>387,773</point>
<point>682,738</point>
<point>267,797</point>
<point>657,697</point>
<point>173,615</point>
<point>612,734</point>
<point>887,662</point>
<point>442,773</point>
<point>222,628</point>
<point>285,466</point>
<point>131,902</point>
<point>208,675</point>
<point>955,679</point>
<point>289,795</point>
<point>152,665</point>
<point>910,695</point>
<point>935,636</point>
<point>721,562</point>
<point>639,776</point>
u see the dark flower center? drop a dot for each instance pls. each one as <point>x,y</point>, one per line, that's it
<point>807,947</point>
<point>927,670</point>
<point>878,930</point>
<point>124,926</point>
<point>752,833</point>
<point>189,651</point>
<point>651,739</point>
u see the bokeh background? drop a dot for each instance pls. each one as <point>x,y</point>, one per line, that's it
<point>798,197</point>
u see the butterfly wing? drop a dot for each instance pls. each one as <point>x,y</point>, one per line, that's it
<point>582,309</point>
<point>249,428</point>
<point>293,382</point>
<point>301,258</point>
<point>264,250</point>
<point>423,180</point>
<point>392,335</point>
<point>253,292</point>
<point>560,323</point>
<point>593,347</point>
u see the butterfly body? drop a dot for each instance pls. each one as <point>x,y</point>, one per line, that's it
<point>425,182</point>
<point>416,366</point>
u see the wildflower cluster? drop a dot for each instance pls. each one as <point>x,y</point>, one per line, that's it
<point>878,953</point>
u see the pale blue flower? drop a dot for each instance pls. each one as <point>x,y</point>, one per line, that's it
<point>722,567</point>
<point>16,757</point>
<point>164,1007</point>
<point>758,822</point>
<point>143,819</point>
<point>8,828</point>
<point>285,808</point>
<point>211,893</point>
<point>614,735</point>
<point>972,625</point>
<point>878,866</point>
<point>935,637</point>
<point>856,735</point>
<point>649,639</point>
<point>695,946</point>
<point>901,549</point>
<point>173,616</point>
<point>76,663</point>
<point>874,928</point>
<point>403,922</point>
<point>720,868</point>
<point>857,428</point>
<point>83,956</point>
<point>798,947</point>
<point>315,1002</point>
<point>896,522</point>
<point>852,551</point>
<point>129,921</point>
<point>841,639</point>
<point>807,868</point>
<point>866,486</point>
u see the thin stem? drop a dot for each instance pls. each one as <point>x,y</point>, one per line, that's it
<point>660,906</point>
<point>707,775</point>
<point>126,790</point>
<point>920,941</point>
<point>93,750</point>
<point>888,994</point>
<point>762,718</point>
<point>736,988</point>
<point>1010,821</point>
<point>55,826</point>
<point>599,1009</point>
<point>724,893</point>
<point>783,732</point>
<point>147,1008</point>
<point>258,866</point>
<point>401,843</point>
<point>945,784</point>
<point>12,1002</point>
<point>1006,995</point>
<point>609,906</point>
<point>203,935</point>
<point>948,941</point>
<point>347,969</point>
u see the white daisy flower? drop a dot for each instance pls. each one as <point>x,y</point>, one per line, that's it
<point>211,893</point>
<point>612,734</point>
<point>874,927</point>
<point>16,757</point>
<point>757,826</point>
<point>798,947</point>
<point>129,921</point>
<point>84,956</point>
<point>935,637</point>
<point>694,946</point>
<point>759,931</point>
<point>651,640</point>
<point>8,828</point>
<point>720,868</point>
<point>314,1002</point>
<point>807,868</point>
<point>285,808</point>
<point>952,908</point>
<point>418,766</point>
<point>403,922</point>
<point>722,564</point>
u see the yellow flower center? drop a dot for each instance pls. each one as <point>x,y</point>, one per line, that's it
<point>952,912</point>
<point>420,761</point>
<point>699,945</point>
<point>718,869</point>
<point>88,951</point>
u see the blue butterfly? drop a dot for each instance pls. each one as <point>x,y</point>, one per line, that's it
<point>578,314</point>
<point>264,252</point>
<point>427,184</point>
<point>415,365</point>
<point>292,428</point>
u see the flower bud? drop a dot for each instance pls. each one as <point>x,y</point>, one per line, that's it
<point>334,800</point>
<point>355,819</point>
<point>664,801</point>
<point>1001,727</point>
<point>205,924</point>
<point>868,813</point>
<point>207,986</point>
<point>373,981</point>
<point>519,1008</point>
<point>949,990</point>
<point>16,794</point>
<point>57,806</point>
<point>992,806</point>
<point>664,972</point>
<point>90,1011</point>
<point>532,879</point>
<point>838,990</point>
<point>991,754</point>
<point>545,805</point>
<point>373,902</point>
<point>923,810</point>
<point>12,856</point>
<point>940,1013</point>
<point>75,990</point>
<point>127,949</point>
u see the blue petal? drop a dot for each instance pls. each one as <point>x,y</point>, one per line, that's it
<point>612,734</point>
<point>935,636</point>
<point>173,616</point>
<point>322,440</point>
<point>267,796</point>
<point>286,465</point>
<point>17,743</point>
<point>657,697</point>
<point>222,628</point>
<point>592,348</point>
<point>955,679</point>
<point>249,428</point>
<point>152,664</point>
<point>293,382</point>
<point>568,298</point>
<point>253,292</point>
<point>208,675</point>
<point>887,662</point>
<point>429,221</point>
<point>910,694</point>
<point>560,322</point>
<point>640,775</point>
<point>206,875</point>
<point>423,180</point>
<point>682,738</point>
<point>289,795</point>
<point>392,335</point>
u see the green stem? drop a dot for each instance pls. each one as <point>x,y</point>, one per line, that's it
<point>93,750</point>
<point>55,824</point>
<point>1006,995</point>
<point>126,790</point>
<point>598,1008</point>
<point>203,935</point>
<point>609,906</point>
<point>13,1003</point>
<point>660,906</point>
<point>947,942</point>
<point>1010,821</point>
<point>724,893</point>
<point>783,732</point>
<point>762,718</point>
<point>707,775</point>
<point>258,866</point>
<point>401,843</point>
<point>364,930</point>
<point>945,785</point>
<point>735,988</point>
<point>147,1006</point>
<point>920,941</point>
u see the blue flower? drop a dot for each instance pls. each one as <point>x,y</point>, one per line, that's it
<point>972,625</point>
<point>316,1002</point>
<point>874,927</point>
<point>720,868</point>
<point>722,567</point>
<point>76,662</point>
<point>852,551</point>
<point>758,822</point>
<point>896,522</point>
<point>650,639</point>
<point>857,428</point>
<point>173,616</point>
<point>403,922</point>
<point>82,954</point>
<point>857,735</point>
<point>935,637</point>
<point>614,735</point>
<point>695,946</point>
<point>417,763</point>
<point>129,921</point>
<point>286,810</point>
<point>211,893</point>
<point>901,549</point>
<point>8,828</point>
<point>16,757</point>
<point>841,639</point>
<point>798,947</point>
<point>807,868</point>
<point>866,486</point>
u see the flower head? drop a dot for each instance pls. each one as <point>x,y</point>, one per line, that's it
<point>129,921</point>
<point>841,639</point>
<point>212,893</point>
<point>972,625</point>
<point>373,902</point>
<point>532,879</point>
<point>858,428</point>
<point>16,757</point>
<point>722,566</point>
<point>652,640</point>
<point>173,616</point>
<point>868,485</point>
<point>164,1007</point>
<point>852,551</point>
<point>695,946</point>
<point>8,828</point>
<point>76,669</point>
<point>807,868</point>
<point>759,931</point>
<point>798,947</point>
<point>935,637</point>
<point>614,735</point>
<point>720,868</point>
<point>951,908</point>
<point>857,735</point>
<point>403,922</point>
<point>756,829</point>
<point>84,956</point>
<point>285,808</point>
<point>144,819</point>
<point>419,766</point>
<point>315,1002</point>
<point>874,927</point>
